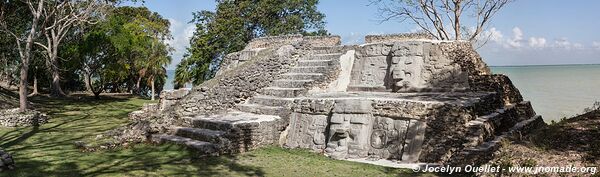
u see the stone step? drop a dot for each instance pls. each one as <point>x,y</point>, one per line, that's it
<point>245,131</point>
<point>301,76</point>
<point>326,50</point>
<point>291,83</point>
<point>483,128</point>
<point>226,122</point>
<point>483,152</point>
<point>212,136</point>
<point>309,69</point>
<point>203,147</point>
<point>314,63</point>
<point>271,100</point>
<point>334,56</point>
<point>205,123</point>
<point>283,92</point>
<point>261,109</point>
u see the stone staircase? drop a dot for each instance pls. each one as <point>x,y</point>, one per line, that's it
<point>486,132</point>
<point>258,121</point>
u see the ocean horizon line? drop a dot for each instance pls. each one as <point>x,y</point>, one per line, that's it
<point>567,64</point>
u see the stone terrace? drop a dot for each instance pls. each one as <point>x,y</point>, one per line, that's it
<point>401,99</point>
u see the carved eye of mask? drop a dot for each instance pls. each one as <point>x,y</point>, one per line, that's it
<point>378,139</point>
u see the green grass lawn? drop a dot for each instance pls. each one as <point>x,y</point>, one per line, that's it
<point>48,150</point>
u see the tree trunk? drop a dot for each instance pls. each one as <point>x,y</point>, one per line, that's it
<point>35,86</point>
<point>457,12</point>
<point>137,86</point>
<point>25,55</point>
<point>56,88</point>
<point>95,92</point>
<point>23,85</point>
<point>86,79</point>
<point>152,82</point>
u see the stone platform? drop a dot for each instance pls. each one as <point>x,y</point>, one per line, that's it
<point>396,101</point>
<point>406,127</point>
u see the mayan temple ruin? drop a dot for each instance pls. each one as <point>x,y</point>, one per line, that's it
<point>402,98</point>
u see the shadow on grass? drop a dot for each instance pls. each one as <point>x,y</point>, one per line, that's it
<point>48,150</point>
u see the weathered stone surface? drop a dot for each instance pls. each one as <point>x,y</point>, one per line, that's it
<point>396,37</point>
<point>498,83</point>
<point>400,97</point>
<point>14,118</point>
<point>230,88</point>
<point>408,127</point>
<point>276,41</point>
<point>409,66</point>
<point>243,131</point>
<point>309,131</point>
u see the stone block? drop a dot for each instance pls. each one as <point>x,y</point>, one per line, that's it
<point>353,106</point>
<point>414,141</point>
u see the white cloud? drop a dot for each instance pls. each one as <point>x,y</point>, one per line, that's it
<point>517,48</point>
<point>353,38</point>
<point>537,42</point>
<point>596,45</point>
<point>492,35</point>
<point>518,41</point>
<point>495,35</point>
<point>181,38</point>
<point>578,46</point>
<point>515,41</point>
<point>562,43</point>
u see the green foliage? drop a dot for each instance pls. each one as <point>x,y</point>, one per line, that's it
<point>14,18</point>
<point>125,51</point>
<point>235,23</point>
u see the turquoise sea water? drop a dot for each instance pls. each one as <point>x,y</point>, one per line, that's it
<point>555,91</point>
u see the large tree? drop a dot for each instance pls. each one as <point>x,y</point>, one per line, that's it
<point>127,50</point>
<point>443,19</point>
<point>235,23</point>
<point>22,21</point>
<point>60,18</point>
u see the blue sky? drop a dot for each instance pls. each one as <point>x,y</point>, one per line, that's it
<point>526,32</point>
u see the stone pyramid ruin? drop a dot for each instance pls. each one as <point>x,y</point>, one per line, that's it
<point>401,98</point>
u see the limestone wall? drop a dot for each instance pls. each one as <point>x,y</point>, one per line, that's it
<point>322,41</point>
<point>275,41</point>
<point>14,118</point>
<point>171,97</point>
<point>409,66</point>
<point>497,83</point>
<point>236,86</point>
<point>396,37</point>
<point>235,59</point>
<point>413,130</point>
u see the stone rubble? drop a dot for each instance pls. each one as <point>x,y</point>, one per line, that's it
<point>14,118</point>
